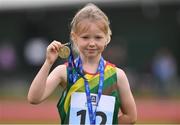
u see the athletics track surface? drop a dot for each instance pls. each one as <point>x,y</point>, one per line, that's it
<point>149,111</point>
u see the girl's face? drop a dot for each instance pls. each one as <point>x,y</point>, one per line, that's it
<point>90,40</point>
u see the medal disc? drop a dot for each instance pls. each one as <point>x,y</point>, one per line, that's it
<point>64,52</point>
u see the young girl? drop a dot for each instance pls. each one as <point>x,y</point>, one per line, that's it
<point>95,91</point>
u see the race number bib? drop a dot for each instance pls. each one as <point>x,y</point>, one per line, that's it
<point>79,111</point>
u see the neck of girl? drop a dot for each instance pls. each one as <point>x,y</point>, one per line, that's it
<point>90,65</point>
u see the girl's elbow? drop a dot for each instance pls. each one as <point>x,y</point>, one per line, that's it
<point>32,100</point>
<point>133,119</point>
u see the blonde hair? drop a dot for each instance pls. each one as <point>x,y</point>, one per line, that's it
<point>93,13</point>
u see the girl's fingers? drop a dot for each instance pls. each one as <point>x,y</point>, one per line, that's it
<point>57,44</point>
<point>55,47</point>
<point>52,48</point>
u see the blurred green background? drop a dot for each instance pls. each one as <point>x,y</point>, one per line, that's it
<point>145,44</point>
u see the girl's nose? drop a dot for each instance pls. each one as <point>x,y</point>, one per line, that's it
<point>92,42</point>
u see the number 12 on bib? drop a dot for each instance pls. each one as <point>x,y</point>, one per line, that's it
<point>79,112</point>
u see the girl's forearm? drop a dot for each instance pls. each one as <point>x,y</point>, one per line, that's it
<point>39,83</point>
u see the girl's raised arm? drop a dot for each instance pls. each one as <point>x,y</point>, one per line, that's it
<point>44,83</point>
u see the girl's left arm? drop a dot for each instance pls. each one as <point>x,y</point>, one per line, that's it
<point>128,106</point>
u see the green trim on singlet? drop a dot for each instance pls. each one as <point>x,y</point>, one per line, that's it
<point>110,80</point>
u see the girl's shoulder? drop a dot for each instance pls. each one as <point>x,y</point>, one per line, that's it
<point>107,63</point>
<point>61,72</point>
<point>61,67</point>
<point>120,72</point>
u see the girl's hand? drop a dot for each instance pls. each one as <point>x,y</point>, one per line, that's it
<point>52,51</point>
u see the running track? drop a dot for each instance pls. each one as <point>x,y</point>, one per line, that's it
<point>149,111</point>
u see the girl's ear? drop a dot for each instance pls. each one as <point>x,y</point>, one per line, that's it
<point>108,40</point>
<point>74,42</point>
<point>73,37</point>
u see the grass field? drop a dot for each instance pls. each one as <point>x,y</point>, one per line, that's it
<point>149,112</point>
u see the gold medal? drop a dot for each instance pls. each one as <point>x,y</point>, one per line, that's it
<point>64,52</point>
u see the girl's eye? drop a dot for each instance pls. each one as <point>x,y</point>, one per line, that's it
<point>85,37</point>
<point>98,37</point>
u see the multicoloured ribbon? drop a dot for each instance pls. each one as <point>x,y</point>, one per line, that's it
<point>73,76</point>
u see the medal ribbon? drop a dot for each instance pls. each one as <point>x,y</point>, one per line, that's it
<point>77,64</point>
